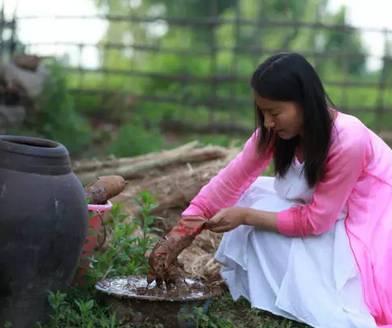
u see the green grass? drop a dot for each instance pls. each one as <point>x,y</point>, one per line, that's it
<point>223,312</point>
<point>240,315</point>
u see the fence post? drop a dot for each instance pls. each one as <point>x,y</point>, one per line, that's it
<point>80,66</point>
<point>13,39</point>
<point>382,83</point>
<point>345,56</point>
<point>234,63</point>
<point>2,22</point>
<point>213,63</point>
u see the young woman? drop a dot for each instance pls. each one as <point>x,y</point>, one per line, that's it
<point>314,243</point>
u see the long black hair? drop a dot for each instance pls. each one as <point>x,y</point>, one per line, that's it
<point>290,77</point>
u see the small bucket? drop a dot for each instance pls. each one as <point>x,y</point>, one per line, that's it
<point>95,239</point>
<point>95,225</point>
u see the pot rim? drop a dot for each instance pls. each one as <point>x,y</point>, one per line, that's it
<point>100,208</point>
<point>32,146</point>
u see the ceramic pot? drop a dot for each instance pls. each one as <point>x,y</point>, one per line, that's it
<point>43,224</point>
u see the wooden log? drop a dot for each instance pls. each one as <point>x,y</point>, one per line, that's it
<point>141,168</point>
<point>93,165</point>
<point>174,190</point>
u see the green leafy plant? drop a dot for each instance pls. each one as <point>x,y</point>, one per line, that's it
<point>209,320</point>
<point>78,309</point>
<point>145,220</point>
<point>125,254</point>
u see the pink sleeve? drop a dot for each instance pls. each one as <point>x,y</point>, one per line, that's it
<point>345,163</point>
<point>225,188</point>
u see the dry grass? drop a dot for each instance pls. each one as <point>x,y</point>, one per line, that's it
<point>198,259</point>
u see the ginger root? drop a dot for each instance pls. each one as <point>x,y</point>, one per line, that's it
<point>106,187</point>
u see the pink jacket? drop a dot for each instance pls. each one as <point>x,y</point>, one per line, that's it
<point>358,175</point>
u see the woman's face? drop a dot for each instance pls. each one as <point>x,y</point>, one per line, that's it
<point>285,118</point>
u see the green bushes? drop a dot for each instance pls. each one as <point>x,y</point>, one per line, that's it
<point>56,117</point>
<point>133,139</point>
<point>125,254</point>
<point>77,309</point>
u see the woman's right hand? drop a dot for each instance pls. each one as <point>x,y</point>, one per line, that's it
<point>163,258</point>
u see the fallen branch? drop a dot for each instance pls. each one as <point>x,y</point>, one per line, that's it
<point>79,167</point>
<point>140,168</point>
<point>173,190</point>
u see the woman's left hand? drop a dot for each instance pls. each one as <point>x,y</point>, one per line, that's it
<point>227,219</point>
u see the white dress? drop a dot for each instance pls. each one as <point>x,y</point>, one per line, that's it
<point>312,280</point>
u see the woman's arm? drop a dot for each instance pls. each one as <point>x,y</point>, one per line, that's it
<point>261,219</point>
<point>346,163</point>
<point>230,218</point>
<point>225,188</point>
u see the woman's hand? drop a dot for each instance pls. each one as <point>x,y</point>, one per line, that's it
<point>163,258</point>
<point>227,219</point>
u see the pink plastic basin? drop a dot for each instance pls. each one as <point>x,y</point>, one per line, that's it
<point>96,214</point>
<point>94,226</point>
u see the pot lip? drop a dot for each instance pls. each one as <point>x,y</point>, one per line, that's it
<point>100,208</point>
<point>32,146</point>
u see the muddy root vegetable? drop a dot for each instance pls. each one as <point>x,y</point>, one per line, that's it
<point>104,188</point>
<point>163,258</point>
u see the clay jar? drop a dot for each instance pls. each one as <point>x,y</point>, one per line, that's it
<point>43,224</point>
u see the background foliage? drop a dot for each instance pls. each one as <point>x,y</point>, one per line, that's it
<point>190,62</point>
